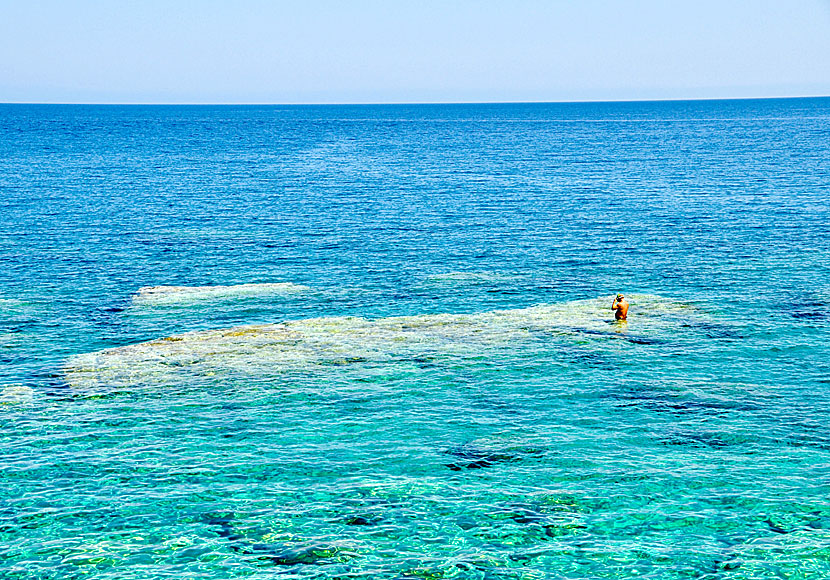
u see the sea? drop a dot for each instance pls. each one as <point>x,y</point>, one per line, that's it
<point>341,342</point>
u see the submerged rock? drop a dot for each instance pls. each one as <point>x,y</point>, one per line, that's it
<point>364,520</point>
<point>16,395</point>
<point>712,440</point>
<point>449,278</point>
<point>160,295</point>
<point>340,342</point>
<point>472,457</point>
<point>277,554</point>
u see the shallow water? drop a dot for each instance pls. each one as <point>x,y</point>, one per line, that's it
<point>374,342</point>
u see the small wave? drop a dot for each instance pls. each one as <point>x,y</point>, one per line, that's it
<point>152,295</point>
<point>315,343</point>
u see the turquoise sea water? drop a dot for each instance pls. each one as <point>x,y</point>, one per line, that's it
<point>375,341</point>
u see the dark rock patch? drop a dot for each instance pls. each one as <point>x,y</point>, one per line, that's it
<point>472,457</point>
<point>634,339</point>
<point>695,440</point>
<point>776,528</point>
<point>585,357</point>
<point>532,515</point>
<point>362,520</point>
<point>276,554</point>
<point>714,330</point>
<point>344,361</point>
<point>643,340</point>
<point>682,405</point>
<point>808,310</point>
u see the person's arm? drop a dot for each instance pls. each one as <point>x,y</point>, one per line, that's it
<point>615,304</point>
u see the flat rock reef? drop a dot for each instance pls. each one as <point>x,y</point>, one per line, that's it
<point>262,350</point>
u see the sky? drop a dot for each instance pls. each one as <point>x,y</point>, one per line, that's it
<point>372,51</point>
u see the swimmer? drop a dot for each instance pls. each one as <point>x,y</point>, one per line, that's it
<point>620,307</point>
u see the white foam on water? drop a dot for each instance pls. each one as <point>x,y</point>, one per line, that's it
<point>305,345</point>
<point>161,295</point>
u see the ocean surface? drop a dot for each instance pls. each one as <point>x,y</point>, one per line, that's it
<point>376,341</point>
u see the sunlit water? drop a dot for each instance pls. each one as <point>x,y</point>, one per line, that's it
<point>376,342</point>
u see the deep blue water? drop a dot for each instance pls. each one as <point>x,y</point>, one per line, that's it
<point>445,393</point>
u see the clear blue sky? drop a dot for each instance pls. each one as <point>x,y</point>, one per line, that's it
<point>319,51</point>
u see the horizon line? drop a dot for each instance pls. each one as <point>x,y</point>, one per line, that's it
<point>407,103</point>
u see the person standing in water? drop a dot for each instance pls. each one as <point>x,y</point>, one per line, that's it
<point>620,307</point>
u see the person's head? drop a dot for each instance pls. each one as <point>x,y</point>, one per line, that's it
<point>620,297</point>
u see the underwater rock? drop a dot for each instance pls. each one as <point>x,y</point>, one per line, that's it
<point>714,330</point>
<point>472,457</point>
<point>819,521</point>
<point>644,340</point>
<point>300,555</point>
<point>695,440</point>
<point>810,314</point>
<point>776,528</point>
<point>278,554</point>
<point>310,344</point>
<point>789,522</point>
<point>470,277</point>
<point>709,439</point>
<point>552,524</point>
<point>16,395</point>
<point>177,294</point>
<point>224,524</point>
<point>621,336</point>
<point>682,404</point>
<point>807,309</point>
<point>362,520</point>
